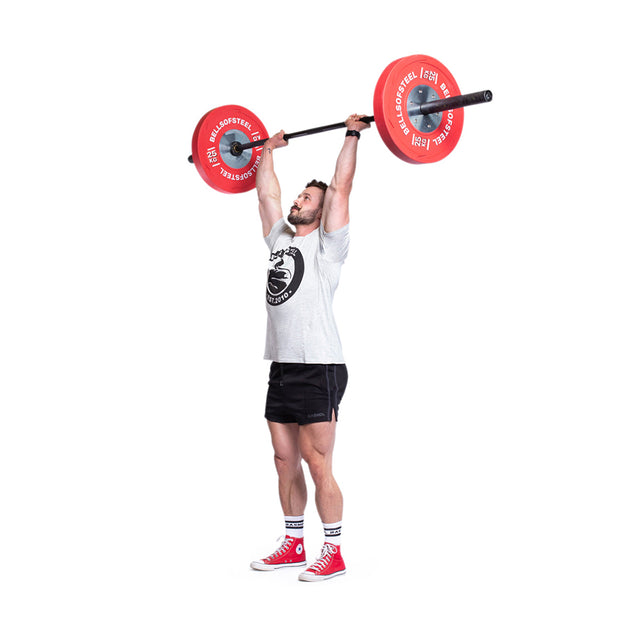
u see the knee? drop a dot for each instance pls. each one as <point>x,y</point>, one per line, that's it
<point>286,464</point>
<point>319,466</point>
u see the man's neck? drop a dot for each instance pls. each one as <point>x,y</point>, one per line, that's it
<point>306,229</point>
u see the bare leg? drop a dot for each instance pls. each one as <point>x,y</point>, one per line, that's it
<point>316,446</point>
<point>291,485</point>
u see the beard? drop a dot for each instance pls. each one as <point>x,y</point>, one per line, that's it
<point>295,217</point>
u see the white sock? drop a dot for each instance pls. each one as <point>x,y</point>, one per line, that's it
<point>294,526</point>
<point>333,532</point>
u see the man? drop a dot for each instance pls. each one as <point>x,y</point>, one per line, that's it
<point>308,375</point>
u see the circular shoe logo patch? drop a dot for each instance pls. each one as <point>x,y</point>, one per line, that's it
<point>285,275</point>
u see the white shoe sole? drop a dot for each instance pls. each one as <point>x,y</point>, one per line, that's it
<point>261,566</point>
<point>312,577</point>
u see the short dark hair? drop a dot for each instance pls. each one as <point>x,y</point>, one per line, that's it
<point>317,183</point>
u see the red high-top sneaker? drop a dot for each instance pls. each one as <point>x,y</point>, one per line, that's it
<point>289,554</point>
<point>329,565</point>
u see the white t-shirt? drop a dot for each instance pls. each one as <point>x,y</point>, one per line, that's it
<point>303,275</point>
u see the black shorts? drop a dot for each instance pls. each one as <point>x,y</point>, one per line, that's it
<point>305,393</point>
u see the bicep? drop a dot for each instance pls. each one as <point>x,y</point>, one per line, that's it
<point>335,211</point>
<point>270,212</point>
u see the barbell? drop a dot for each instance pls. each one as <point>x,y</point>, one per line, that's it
<point>418,111</point>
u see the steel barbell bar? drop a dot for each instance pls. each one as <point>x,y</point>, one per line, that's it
<point>426,108</point>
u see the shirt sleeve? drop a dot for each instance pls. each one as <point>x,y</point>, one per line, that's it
<point>279,229</point>
<point>335,245</point>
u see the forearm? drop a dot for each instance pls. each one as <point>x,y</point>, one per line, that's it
<point>335,212</point>
<point>342,180</point>
<point>267,184</point>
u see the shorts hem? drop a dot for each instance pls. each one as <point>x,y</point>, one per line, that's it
<point>302,422</point>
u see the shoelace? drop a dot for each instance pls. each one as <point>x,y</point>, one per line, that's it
<point>325,558</point>
<point>283,548</point>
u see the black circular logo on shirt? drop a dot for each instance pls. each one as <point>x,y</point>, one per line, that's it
<point>285,275</point>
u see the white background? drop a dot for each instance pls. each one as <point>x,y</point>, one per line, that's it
<point>488,442</point>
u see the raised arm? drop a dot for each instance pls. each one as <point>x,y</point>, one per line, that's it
<point>267,185</point>
<point>335,212</point>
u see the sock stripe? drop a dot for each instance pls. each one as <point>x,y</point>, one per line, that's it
<point>294,526</point>
<point>332,530</point>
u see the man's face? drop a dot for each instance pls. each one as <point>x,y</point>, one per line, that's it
<point>307,207</point>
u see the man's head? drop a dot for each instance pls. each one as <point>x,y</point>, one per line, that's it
<point>307,207</point>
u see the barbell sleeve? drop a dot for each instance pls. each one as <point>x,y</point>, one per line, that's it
<point>456,102</point>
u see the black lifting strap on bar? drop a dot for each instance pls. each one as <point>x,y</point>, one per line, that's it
<point>432,106</point>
